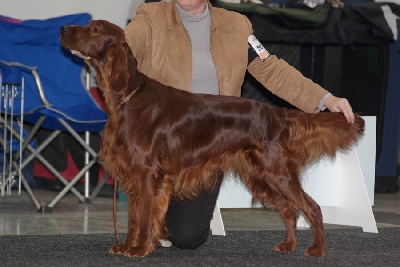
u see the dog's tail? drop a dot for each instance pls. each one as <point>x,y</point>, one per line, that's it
<point>312,136</point>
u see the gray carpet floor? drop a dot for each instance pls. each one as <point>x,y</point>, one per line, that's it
<point>346,247</point>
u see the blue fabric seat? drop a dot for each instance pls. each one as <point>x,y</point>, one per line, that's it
<point>36,43</point>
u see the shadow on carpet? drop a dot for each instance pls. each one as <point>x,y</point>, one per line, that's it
<point>346,247</point>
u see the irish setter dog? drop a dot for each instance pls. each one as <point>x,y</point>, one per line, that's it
<point>164,143</point>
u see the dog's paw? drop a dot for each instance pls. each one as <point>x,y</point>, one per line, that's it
<point>118,249</point>
<point>138,252</point>
<point>315,251</point>
<point>285,247</point>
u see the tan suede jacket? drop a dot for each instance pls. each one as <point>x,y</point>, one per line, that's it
<point>162,47</point>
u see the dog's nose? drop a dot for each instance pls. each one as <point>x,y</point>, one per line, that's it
<point>63,29</point>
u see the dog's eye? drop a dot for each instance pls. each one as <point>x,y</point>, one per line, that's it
<point>95,29</point>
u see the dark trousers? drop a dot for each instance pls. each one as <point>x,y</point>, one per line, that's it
<point>188,221</point>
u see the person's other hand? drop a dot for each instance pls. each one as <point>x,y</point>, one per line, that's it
<point>336,104</point>
<point>85,58</point>
<point>78,54</point>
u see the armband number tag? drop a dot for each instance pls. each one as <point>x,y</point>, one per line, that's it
<point>258,47</point>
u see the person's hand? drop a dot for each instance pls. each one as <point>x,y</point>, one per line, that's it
<point>85,58</point>
<point>78,54</point>
<point>336,104</point>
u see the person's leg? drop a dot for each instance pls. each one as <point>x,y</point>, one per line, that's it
<point>188,221</point>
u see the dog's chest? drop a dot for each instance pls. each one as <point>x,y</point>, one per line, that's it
<point>115,151</point>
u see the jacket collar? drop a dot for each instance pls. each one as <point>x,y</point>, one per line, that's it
<point>173,18</point>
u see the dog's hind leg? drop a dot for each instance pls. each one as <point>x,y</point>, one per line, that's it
<point>289,213</point>
<point>294,193</point>
<point>313,213</point>
<point>268,191</point>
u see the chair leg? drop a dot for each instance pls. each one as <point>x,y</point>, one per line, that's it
<point>55,172</point>
<point>78,138</point>
<point>70,185</point>
<point>30,193</point>
<point>98,187</point>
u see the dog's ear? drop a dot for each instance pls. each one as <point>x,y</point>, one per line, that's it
<point>117,61</point>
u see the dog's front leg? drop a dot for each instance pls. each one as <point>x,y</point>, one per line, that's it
<point>160,208</point>
<point>142,245</point>
<point>132,235</point>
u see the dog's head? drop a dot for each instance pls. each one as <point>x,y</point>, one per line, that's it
<point>102,44</point>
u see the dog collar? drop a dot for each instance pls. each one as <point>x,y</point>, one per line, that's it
<point>126,99</point>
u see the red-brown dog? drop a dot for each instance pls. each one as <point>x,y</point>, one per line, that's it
<point>162,143</point>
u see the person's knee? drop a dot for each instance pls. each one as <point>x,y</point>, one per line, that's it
<point>189,240</point>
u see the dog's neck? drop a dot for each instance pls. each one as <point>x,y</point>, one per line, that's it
<point>119,90</point>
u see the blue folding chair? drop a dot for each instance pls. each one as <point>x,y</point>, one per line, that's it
<point>55,93</point>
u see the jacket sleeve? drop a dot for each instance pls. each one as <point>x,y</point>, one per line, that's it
<point>138,33</point>
<point>287,83</point>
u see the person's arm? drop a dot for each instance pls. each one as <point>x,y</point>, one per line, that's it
<point>286,82</point>
<point>289,84</point>
<point>138,33</point>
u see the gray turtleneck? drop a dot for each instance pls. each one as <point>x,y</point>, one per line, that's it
<point>204,74</point>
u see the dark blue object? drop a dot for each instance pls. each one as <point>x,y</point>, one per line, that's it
<point>37,43</point>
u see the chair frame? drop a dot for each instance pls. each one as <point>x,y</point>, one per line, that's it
<point>35,152</point>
